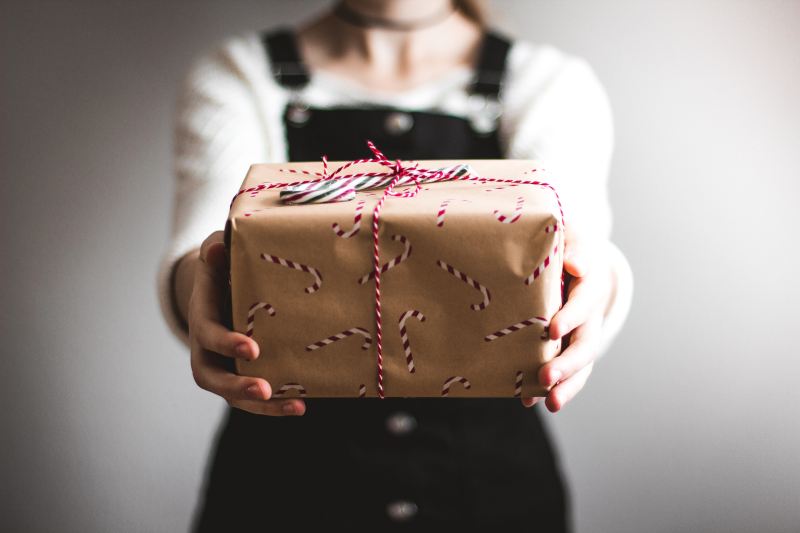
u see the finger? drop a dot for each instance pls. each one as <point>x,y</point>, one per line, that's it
<point>584,298</point>
<point>216,338</point>
<point>530,401</point>
<point>567,389</point>
<point>577,257</point>
<point>210,374</point>
<point>212,255</point>
<point>218,237</point>
<point>205,321</point>
<point>289,407</point>
<point>580,352</point>
<point>208,291</point>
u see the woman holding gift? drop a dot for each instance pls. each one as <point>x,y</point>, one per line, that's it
<point>423,79</point>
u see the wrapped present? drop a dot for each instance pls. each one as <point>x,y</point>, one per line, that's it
<point>395,279</point>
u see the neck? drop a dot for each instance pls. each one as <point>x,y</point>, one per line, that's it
<point>401,12</point>
<point>395,51</point>
<point>379,55</point>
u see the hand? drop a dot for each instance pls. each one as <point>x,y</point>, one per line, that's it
<point>579,321</point>
<point>211,342</point>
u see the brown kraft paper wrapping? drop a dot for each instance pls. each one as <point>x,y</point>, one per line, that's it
<point>298,312</point>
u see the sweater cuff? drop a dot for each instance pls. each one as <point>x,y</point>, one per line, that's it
<point>621,300</point>
<point>166,292</point>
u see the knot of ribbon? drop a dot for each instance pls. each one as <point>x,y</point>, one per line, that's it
<point>338,187</point>
<point>335,186</point>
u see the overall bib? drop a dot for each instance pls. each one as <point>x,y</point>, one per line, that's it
<point>393,464</point>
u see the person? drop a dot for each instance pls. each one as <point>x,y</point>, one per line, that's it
<point>423,79</point>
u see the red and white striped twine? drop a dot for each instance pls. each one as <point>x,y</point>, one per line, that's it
<point>404,336</point>
<point>455,379</point>
<point>396,173</point>
<point>314,287</point>
<point>487,296</point>
<point>514,216</point>
<point>518,326</point>
<point>251,315</point>
<point>343,335</point>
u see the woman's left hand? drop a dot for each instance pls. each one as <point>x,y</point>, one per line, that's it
<point>580,321</point>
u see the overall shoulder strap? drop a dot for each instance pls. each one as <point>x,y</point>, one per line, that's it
<point>287,65</point>
<point>491,66</point>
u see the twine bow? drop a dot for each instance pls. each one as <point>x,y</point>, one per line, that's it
<point>338,187</point>
<point>334,187</point>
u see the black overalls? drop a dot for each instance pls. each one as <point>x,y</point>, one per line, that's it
<point>394,464</point>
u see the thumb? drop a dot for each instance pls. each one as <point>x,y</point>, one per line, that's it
<point>576,258</point>
<point>215,256</point>
<point>212,251</point>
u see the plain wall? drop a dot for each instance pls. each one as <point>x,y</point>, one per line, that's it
<point>690,423</point>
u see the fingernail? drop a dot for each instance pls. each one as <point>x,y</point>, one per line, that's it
<point>530,402</point>
<point>288,409</point>
<point>254,391</point>
<point>243,350</point>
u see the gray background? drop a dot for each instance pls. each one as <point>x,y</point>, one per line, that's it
<point>690,423</point>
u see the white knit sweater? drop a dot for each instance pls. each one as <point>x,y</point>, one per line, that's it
<point>229,115</point>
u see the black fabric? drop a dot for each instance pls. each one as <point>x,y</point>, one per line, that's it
<point>290,71</point>
<point>287,67</point>
<point>340,133</point>
<point>469,465</point>
<point>491,65</point>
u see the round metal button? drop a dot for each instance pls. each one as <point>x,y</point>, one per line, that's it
<point>298,114</point>
<point>399,123</point>
<point>401,511</point>
<point>401,423</point>
<point>484,113</point>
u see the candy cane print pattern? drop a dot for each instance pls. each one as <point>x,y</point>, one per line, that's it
<point>501,187</point>
<point>487,296</point>
<point>393,263</point>
<point>518,384</point>
<point>251,315</point>
<point>254,211</point>
<point>395,174</point>
<point>540,268</point>
<point>516,327</point>
<point>356,223</point>
<point>449,381</point>
<point>314,287</point>
<point>343,335</point>
<point>514,216</point>
<point>551,228</point>
<point>290,386</point>
<point>362,391</point>
<point>443,210</point>
<point>404,336</point>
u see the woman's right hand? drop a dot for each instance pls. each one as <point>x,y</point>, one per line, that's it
<point>212,342</point>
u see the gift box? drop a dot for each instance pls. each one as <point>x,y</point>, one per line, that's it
<point>469,270</point>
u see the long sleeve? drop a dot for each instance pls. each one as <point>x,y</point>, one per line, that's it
<point>229,116</point>
<point>219,130</point>
<point>558,113</point>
